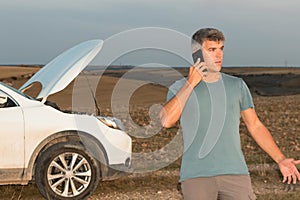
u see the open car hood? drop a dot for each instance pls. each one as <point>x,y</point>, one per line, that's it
<point>57,74</point>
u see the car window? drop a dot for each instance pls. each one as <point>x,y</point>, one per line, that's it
<point>6,100</point>
<point>17,91</point>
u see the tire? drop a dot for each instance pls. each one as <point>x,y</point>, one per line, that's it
<point>66,171</point>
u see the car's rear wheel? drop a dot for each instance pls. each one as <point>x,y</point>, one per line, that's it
<point>66,171</point>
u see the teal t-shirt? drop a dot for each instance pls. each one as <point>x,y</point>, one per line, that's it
<point>210,125</point>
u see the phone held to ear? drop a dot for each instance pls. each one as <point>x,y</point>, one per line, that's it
<point>198,54</point>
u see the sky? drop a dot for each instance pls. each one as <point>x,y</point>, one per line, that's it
<point>258,33</point>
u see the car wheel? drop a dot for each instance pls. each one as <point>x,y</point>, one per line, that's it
<point>66,171</point>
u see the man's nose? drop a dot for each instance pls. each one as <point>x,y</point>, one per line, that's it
<point>219,54</point>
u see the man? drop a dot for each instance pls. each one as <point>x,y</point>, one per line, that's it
<point>209,105</point>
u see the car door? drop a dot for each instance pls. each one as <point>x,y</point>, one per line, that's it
<point>11,135</point>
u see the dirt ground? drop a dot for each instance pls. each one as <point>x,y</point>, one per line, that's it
<point>281,115</point>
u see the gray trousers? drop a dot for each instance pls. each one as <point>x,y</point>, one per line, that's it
<point>227,187</point>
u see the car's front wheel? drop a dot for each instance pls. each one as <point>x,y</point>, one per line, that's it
<point>66,171</point>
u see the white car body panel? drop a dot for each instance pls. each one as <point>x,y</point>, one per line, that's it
<point>12,138</point>
<point>50,122</point>
<point>41,121</point>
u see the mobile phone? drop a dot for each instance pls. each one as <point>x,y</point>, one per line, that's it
<point>198,54</point>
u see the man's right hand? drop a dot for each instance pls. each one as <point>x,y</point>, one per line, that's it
<point>197,72</point>
<point>172,110</point>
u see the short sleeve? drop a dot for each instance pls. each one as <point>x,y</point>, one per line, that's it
<point>246,98</point>
<point>174,88</point>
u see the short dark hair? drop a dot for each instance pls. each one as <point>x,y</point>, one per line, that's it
<point>210,34</point>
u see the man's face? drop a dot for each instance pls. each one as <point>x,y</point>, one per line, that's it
<point>213,54</point>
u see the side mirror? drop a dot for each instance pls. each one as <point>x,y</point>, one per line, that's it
<point>3,101</point>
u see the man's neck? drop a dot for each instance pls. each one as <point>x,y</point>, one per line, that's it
<point>212,77</point>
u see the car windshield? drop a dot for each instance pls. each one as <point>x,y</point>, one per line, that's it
<point>17,91</point>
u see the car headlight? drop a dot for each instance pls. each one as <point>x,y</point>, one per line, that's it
<point>111,122</point>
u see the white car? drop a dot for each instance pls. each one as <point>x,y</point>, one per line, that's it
<point>67,154</point>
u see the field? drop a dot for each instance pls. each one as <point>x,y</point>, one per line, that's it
<point>277,101</point>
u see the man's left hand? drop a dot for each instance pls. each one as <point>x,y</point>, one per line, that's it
<point>289,170</point>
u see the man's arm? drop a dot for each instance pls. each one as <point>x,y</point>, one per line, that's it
<point>172,110</point>
<point>265,140</point>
